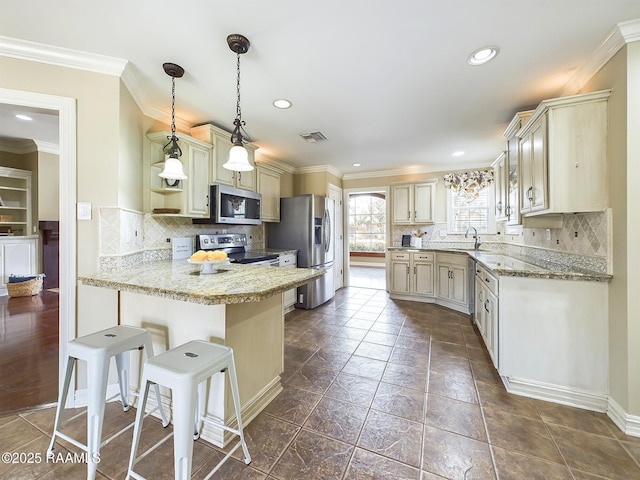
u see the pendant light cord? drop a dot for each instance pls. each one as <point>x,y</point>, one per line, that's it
<point>238,111</point>
<point>173,106</point>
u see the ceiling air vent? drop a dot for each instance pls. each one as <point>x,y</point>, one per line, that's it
<point>313,137</point>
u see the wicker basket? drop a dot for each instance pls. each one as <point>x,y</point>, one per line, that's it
<point>26,288</point>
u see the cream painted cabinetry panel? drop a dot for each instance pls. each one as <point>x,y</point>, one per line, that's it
<point>191,196</point>
<point>414,203</point>
<point>412,273</point>
<point>511,186</point>
<point>500,168</point>
<point>452,281</point>
<point>289,260</point>
<point>15,201</point>
<point>563,156</point>
<point>221,141</point>
<point>17,257</point>
<point>269,187</point>
<point>486,311</point>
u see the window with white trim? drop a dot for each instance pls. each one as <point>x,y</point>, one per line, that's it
<point>463,213</point>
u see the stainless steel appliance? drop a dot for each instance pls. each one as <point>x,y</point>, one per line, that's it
<point>305,225</point>
<point>235,245</point>
<point>229,205</point>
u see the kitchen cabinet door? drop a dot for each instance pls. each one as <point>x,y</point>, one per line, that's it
<point>499,180</point>
<point>444,281</point>
<point>402,203</point>
<point>423,202</point>
<point>198,185</point>
<point>458,288</point>
<point>17,257</point>
<point>423,278</point>
<point>269,188</point>
<point>399,276</point>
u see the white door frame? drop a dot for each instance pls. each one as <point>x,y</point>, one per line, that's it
<point>66,108</point>
<point>347,192</point>
<point>335,193</point>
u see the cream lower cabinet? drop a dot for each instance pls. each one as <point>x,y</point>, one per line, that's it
<point>17,257</point>
<point>453,281</point>
<point>289,260</point>
<point>412,273</point>
<point>486,311</point>
<point>429,276</point>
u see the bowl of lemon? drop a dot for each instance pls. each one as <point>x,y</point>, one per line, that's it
<point>210,261</point>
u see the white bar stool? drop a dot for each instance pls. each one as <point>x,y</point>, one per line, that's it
<point>97,349</point>
<point>185,370</point>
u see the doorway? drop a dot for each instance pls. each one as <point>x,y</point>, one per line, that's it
<point>66,110</point>
<point>367,213</point>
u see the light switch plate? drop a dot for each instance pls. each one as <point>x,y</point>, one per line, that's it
<point>84,211</point>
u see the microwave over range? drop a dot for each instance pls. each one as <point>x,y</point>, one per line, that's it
<point>232,206</point>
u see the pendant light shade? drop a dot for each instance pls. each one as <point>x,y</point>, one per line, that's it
<point>172,165</point>
<point>238,160</point>
<point>238,155</point>
<point>172,169</point>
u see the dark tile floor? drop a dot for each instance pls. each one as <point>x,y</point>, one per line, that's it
<point>376,389</point>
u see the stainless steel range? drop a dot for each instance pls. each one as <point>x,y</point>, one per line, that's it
<point>235,245</point>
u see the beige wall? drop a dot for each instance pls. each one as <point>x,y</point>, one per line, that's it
<point>622,75</point>
<point>48,187</point>
<point>314,182</point>
<point>101,154</point>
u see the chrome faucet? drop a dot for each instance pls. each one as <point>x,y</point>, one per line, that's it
<point>476,244</point>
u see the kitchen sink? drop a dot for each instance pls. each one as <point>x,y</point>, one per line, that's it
<point>505,262</point>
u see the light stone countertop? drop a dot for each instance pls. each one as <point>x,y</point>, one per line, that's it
<point>519,266</point>
<point>179,280</point>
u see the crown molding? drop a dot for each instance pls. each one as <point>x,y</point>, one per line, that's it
<point>416,170</point>
<point>19,147</point>
<point>47,147</point>
<point>622,34</point>
<point>63,57</point>
<point>282,167</point>
<point>320,168</point>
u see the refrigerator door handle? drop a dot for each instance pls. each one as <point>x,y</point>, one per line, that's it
<point>327,231</point>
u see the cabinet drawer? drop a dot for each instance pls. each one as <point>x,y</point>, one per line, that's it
<point>400,256</point>
<point>423,257</point>
<point>287,260</point>
<point>487,279</point>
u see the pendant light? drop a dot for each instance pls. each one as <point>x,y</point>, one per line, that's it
<point>238,156</point>
<point>172,164</point>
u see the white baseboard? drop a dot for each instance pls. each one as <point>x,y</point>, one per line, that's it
<point>557,394</point>
<point>629,424</point>
<point>368,264</point>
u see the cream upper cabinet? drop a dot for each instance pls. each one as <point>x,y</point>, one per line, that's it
<point>221,141</point>
<point>511,196</point>
<point>563,156</point>
<point>500,168</point>
<point>413,203</point>
<point>269,187</point>
<point>189,197</point>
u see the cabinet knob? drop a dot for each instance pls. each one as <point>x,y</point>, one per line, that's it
<point>499,207</point>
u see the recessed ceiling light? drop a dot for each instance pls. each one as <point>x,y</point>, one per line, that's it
<point>24,117</point>
<point>482,55</point>
<point>282,103</point>
<point>357,164</point>
<point>457,154</point>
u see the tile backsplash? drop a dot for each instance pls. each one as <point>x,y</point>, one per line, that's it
<point>128,237</point>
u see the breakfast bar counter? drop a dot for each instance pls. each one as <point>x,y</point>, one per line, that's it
<point>179,280</point>
<point>240,306</point>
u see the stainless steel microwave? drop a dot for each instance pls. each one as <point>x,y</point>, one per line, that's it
<point>232,206</point>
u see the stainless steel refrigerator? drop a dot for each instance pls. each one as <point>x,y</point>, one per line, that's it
<point>305,225</point>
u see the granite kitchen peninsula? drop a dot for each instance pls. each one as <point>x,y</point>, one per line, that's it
<point>240,306</point>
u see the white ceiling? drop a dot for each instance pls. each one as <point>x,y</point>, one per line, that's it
<point>386,82</point>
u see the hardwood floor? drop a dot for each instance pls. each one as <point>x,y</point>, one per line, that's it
<point>28,352</point>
